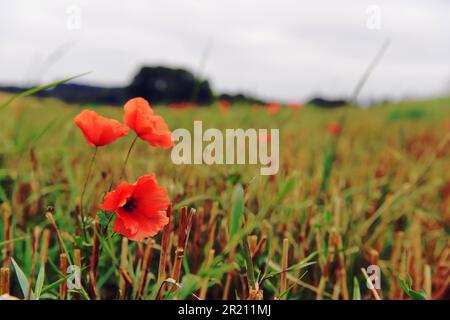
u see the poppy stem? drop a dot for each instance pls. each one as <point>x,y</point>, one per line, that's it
<point>127,157</point>
<point>121,175</point>
<point>83,223</point>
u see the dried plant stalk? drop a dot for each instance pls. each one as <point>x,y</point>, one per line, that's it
<point>204,287</point>
<point>260,247</point>
<point>148,253</point>
<point>4,281</point>
<point>284,266</point>
<point>230,274</point>
<point>77,262</point>
<point>138,254</point>
<point>395,290</point>
<point>341,268</point>
<point>6,234</point>
<point>255,294</point>
<point>427,284</point>
<point>123,267</point>
<point>374,256</point>
<point>184,230</point>
<point>63,264</point>
<point>441,276</point>
<point>211,228</point>
<point>318,238</point>
<point>44,246</point>
<point>34,248</point>
<point>164,252</point>
<point>326,266</point>
<point>416,265</point>
<point>197,237</point>
<point>336,291</point>
<point>94,261</point>
<point>369,283</point>
<point>49,215</point>
<point>253,244</point>
<point>77,257</point>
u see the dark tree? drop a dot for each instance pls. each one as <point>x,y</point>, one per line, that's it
<point>166,85</point>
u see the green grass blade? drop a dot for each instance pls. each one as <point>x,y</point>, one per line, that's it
<point>287,187</point>
<point>23,280</point>
<point>356,289</point>
<point>237,210</point>
<point>40,282</point>
<point>249,263</point>
<point>39,88</point>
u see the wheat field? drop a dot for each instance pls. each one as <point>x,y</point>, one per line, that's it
<point>376,194</point>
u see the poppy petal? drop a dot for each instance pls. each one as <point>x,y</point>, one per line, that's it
<point>97,130</point>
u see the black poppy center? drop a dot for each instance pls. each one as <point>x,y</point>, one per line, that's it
<point>131,205</point>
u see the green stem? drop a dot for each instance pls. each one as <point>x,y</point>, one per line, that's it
<point>121,175</point>
<point>127,157</point>
<point>83,223</point>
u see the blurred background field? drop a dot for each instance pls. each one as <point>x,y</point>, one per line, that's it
<point>383,198</point>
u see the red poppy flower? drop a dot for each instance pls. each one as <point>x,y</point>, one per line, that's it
<point>273,108</point>
<point>334,128</point>
<point>98,130</point>
<point>140,208</point>
<point>140,118</point>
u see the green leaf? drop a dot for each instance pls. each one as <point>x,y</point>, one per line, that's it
<point>102,218</point>
<point>237,209</point>
<point>23,281</point>
<point>3,196</point>
<point>407,288</point>
<point>330,155</point>
<point>40,281</point>
<point>417,295</point>
<point>409,281</point>
<point>39,88</point>
<point>189,284</point>
<point>287,187</point>
<point>404,286</point>
<point>356,289</point>
<point>328,218</point>
<point>191,200</point>
<point>217,271</point>
<point>44,130</point>
<point>249,264</point>
<point>302,264</point>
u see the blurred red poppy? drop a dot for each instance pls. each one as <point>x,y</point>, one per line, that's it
<point>224,105</point>
<point>140,118</point>
<point>97,130</point>
<point>447,124</point>
<point>273,108</point>
<point>334,128</point>
<point>295,106</point>
<point>140,208</point>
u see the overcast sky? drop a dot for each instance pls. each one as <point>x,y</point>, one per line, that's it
<point>283,50</point>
